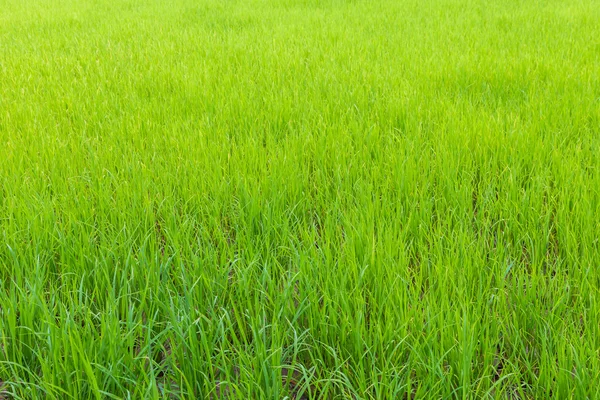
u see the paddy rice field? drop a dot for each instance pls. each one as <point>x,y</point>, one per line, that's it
<point>299,199</point>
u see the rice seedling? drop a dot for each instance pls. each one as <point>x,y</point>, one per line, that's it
<point>299,199</point>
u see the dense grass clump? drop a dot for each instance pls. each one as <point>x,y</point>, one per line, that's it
<point>299,199</point>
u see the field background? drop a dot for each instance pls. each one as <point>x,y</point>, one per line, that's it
<point>312,199</point>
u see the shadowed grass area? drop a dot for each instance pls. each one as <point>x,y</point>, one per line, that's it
<point>299,199</point>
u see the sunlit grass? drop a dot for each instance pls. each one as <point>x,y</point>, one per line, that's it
<point>311,199</point>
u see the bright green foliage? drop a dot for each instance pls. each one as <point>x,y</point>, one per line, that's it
<point>393,199</point>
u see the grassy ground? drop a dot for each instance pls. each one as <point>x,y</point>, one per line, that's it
<point>312,199</point>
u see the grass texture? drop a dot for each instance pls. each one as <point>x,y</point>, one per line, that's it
<point>299,199</point>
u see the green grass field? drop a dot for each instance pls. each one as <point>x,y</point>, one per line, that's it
<point>299,199</point>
